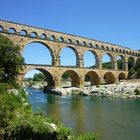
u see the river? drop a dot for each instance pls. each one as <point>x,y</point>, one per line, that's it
<point>112,119</point>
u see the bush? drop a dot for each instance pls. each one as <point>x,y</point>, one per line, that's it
<point>86,136</point>
<point>137,92</point>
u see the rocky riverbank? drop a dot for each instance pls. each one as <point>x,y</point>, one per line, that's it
<point>124,89</point>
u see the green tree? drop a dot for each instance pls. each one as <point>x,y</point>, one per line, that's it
<point>11,62</point>
<point>39,77</point>
<point>65,75</point>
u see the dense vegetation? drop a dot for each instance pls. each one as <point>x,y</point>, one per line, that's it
<point>17,121</point>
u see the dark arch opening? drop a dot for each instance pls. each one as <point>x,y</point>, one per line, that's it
<point>69,57</point>
<point>38,53</point>
<point>61,39</point>
<point>91,78</point>
<point>33,34</point>
<point>131,63</point>
<point>120,62</point>
<point>90,59</point>
<point>70,79</point>
<point>39,78</point>
<point>43,36</point>
<point>1,29</point>
<point>122,76</point>
<point>52,38</point>
<point>12,31</point>
<point>23,32</point>
<point>109,78</point>
<point>107,61</point>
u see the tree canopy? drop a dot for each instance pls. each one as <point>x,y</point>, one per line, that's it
<point>11,61</point>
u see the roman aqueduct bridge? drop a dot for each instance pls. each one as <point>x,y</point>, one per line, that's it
<point>22,35</point>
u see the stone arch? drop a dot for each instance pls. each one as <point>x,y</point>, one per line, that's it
<point>12,30</point>
<point>120,62</point>
<point>69,41</point>
<point>74,78</point>
<point>75,52</point>
<point>122,76</point>
<point>112,62</point>
<point>90,45</point>
<point>92,77</point>
<point>23,32</point>
<point>1,28</point>
<point>49,77</point>
<point>47,46</point>
<point>77,42</point>
<point>61,39</point>
<point>109,78</point>
<point>34,34</point>
<point>94,55</point>
<point>131,62</point>
<point>52,38</point>
<point>43,36</point>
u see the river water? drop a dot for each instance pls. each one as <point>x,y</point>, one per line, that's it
<point>112,119</point>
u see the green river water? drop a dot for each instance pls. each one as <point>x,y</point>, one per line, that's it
<point>112,119</point>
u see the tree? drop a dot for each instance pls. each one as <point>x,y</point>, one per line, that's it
<point>39,77</point>
<point>11,61</point>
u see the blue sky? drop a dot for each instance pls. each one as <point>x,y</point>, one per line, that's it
<point>114,21</point>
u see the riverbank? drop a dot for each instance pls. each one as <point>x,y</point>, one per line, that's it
<point>123,89</point>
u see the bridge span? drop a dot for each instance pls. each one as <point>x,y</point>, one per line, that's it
<point>22,35</point>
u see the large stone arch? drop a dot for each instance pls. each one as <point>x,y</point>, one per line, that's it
<point>109,78</point>
<point>93,77</point>
<point>75,52</point>
<point>75,79</point>
<point>44,44</point>
<point>111,58</point>
<point>131,62</point>
<point>95,54</point>
<point>49,76</point>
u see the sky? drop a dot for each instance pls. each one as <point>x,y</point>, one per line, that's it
<point>114,21</point>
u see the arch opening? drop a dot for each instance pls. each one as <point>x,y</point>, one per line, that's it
<point>120,62</point>
<point>39,78</point>
<point>69,57</point>
<point>109,78</point>
<point>90,59</point>
<point>131,63</point>
<point>122,76</point>
<point>107,61</point>
<point>91,78</point>
<point>23,32</point>
<point>38,53</point>
<point>12,31</point>
<point>1,29</point>
<point>70,78</point>
<point>43,36</point>
<point>33,34</point>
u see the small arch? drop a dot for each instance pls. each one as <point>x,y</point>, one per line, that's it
<point>107,48</point>
<point>12,30</point>
<point>90,45</point>
<point>91,78</point>
<point>23,32</point>
<point>1,29</point>
<point>96,46</point>
<point>77,42</point>
<point>112,49</point>
<point>122,76</point>
<point>72,78</point>
<point>33,34</point>
<point>61,39</point>
<point>52,38</point>
<point>69,41</point>
<point>102,47</point>
<point>84,43</point>
<point>116,50</point>
<point>43,36</point>
<point>109,78</point>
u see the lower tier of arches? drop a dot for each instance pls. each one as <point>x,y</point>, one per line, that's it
<point>75,77</point>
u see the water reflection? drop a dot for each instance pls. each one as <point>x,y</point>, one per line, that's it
<point>116,119</point>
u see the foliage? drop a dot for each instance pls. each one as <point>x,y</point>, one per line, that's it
<point>11,62</point>
<point>39,77</point>
<point>65,75</point>
<point>86,136</point>
<point>106,65</point>
<point>137,92</point>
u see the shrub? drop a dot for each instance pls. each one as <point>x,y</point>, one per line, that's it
<point>137,92</point>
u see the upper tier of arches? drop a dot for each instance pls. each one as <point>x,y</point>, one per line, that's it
<point>42,34</point>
